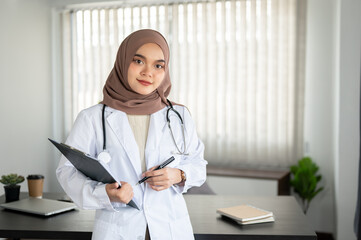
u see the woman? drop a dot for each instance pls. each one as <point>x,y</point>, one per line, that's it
<point>137,138</point>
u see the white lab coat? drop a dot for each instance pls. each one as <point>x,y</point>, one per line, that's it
<point>165,212</point>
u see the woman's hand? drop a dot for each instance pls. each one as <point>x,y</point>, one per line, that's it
<point>163,178</point>
<point>123,194</point>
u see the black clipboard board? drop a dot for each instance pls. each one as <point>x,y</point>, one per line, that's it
<point>87,165</point>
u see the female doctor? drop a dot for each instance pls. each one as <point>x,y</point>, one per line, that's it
<point>134,129</point>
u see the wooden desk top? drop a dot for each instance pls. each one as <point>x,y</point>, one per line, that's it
<point>290,222</point>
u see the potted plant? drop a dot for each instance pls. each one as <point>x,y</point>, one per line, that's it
<point>12,189</point>
<point>305,180</point>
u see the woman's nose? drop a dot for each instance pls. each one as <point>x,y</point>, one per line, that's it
<point>146,71</point>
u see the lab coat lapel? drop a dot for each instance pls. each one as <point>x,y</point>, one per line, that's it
<point>119,123</point>
<point>157,126</point>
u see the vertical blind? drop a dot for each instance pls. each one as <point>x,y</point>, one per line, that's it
<point>237,65</point>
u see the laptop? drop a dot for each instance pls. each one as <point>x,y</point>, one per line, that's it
<point>39,206</point>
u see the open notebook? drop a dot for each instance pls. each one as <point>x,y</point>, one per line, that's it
<point>39,206</point>
<point>247,214</point>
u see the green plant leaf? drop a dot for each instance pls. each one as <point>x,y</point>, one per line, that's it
<point>11,179</point>
<point>305,180</point>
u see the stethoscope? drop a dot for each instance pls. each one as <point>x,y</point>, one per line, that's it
<point>104,155</point>
<point>170,108</point>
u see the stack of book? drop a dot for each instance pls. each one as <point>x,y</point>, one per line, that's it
<point>247,214</point>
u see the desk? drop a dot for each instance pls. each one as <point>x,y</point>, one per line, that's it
<point>207,224</point>
<point>290,222</point>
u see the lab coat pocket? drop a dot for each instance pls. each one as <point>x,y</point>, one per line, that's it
<point>104,227</point>
<point>102,231</point>
<point>181,229</point>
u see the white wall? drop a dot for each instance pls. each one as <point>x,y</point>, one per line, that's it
<point>348,145</point>
<point>332,97</point>
<point>25,97</point>
<point>320,106</point>
<point>332,110</point>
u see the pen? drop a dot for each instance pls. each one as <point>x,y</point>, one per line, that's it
<point>165,163</point>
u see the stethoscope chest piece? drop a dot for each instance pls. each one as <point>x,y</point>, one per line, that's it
<point>104,156</point>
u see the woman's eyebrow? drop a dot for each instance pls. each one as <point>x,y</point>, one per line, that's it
<point>143,57</point>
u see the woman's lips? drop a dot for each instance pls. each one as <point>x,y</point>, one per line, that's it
<point>144,83</point>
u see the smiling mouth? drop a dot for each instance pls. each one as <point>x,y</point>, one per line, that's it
<point>144,83</point>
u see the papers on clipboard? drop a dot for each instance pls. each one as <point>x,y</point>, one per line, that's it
<point>247,214</point>
<point>88,165</point>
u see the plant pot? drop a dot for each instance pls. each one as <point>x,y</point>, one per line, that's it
<point>12,193</point>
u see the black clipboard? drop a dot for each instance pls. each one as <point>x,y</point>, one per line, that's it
<point>87,165</point>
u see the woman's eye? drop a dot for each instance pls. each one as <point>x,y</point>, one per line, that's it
<point>138,61</point>
<point>159,66</point>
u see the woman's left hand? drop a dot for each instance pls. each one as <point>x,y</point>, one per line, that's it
<point>163,178</point>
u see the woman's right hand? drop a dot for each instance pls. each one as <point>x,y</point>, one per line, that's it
<point>123,194</point>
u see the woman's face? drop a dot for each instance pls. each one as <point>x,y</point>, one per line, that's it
<point>146,71</point>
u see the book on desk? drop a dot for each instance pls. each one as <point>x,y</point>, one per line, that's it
<point>247,214</point>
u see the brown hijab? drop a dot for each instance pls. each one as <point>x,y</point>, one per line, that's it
<point>117,92</point>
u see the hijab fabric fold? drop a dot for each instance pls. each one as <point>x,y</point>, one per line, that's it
<point>117,92</point>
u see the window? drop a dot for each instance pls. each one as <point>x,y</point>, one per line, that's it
<point>237,65</point>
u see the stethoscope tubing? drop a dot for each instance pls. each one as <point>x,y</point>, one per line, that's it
<point>103,124</point>
<point>170,108</point>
